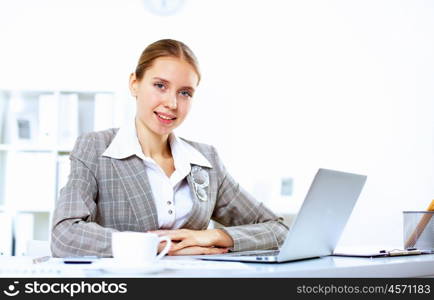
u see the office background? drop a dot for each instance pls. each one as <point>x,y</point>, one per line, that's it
<point>288,87</point>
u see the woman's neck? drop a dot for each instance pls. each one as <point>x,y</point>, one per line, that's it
<point>153,145</point>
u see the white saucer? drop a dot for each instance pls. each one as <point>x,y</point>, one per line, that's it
<point>122,268</point>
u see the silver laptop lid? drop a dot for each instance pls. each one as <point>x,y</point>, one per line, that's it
<point>323,215</point>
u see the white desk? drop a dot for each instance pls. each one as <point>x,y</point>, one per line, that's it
<point>403,266</point>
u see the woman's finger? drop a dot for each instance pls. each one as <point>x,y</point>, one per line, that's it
<point>196,250</point>
<point>214,250</point>
<point>163,244</point>
<point>182,244</point>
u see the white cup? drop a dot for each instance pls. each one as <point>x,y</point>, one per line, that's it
<point>138,247</point>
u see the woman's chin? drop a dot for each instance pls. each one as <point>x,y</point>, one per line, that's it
<point>163,131</point>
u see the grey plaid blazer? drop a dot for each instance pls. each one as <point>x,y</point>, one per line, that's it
<point>104,195</point>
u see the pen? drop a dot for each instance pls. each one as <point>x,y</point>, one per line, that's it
<point>404,252</point>
<point>80,259</point>
<point>42,259</point>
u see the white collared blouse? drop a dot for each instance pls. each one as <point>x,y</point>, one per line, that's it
<point>172,195</point>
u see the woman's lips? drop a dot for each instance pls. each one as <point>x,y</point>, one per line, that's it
<point>164,118</point>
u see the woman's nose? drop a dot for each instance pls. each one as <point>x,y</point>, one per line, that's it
<point>171,101</point>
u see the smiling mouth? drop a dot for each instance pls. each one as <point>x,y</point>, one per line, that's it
<point>165,118</point>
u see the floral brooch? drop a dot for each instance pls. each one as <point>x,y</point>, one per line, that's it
<point>200,182</point>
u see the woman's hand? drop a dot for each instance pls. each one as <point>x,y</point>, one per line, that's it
<point>197,250</point>
<point>196,242</point>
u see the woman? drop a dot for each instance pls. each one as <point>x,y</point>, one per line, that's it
<point>142,177</point>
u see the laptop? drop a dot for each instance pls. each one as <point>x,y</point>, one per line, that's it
<point>318,225</point>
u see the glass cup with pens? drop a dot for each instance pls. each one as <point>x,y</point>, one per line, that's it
<point>419,230</point>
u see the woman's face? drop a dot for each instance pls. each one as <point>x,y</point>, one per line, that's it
<point>164,94</point>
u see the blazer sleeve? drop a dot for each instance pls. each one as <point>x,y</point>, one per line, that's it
<point>74,230</point>
<point>251,225</point>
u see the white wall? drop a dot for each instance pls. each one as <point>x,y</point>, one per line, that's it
<point>288,87</point>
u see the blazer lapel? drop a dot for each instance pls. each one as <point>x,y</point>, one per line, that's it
<point>134,178</point>
<point>198,218</point>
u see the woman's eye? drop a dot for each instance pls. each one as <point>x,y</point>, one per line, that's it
<point>186,94</point>
<point>159,85</point>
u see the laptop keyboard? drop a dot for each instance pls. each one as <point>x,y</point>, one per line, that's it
<point>268,253</point>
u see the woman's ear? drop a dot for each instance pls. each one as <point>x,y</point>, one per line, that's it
<point>133,85</point>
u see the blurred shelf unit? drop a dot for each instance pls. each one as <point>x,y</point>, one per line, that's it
<point>37,132</point>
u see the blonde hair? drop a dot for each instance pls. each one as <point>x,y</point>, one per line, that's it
<point>165,48</point>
